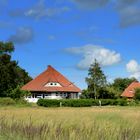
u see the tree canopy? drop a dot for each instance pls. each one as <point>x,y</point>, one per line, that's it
<point>122,83</point>
<point>11,75</point>
<point>98,86</point>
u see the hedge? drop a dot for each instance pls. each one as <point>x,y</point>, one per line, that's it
<point>80,102</point>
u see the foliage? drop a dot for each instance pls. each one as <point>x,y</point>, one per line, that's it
<point>80,102</point>
<point>85,94</point>
<point>17,93</point>
<point>11,74</point>
<point>6,47</point>
<point>96,79</point>
<point>122,83</point>
<point>111,93</point>
<point>77,103</point>
<point>107,93</point>
<point>7,101</point>
<point>65,102</point>
<point>48,103</point>
<point>137,94</point>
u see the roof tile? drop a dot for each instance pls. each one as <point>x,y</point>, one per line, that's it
<point>51,75</point>
<point>130,90</point>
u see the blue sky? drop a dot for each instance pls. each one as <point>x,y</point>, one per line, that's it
<point>70,34</point>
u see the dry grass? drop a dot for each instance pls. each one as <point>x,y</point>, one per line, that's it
<point>95,123</point>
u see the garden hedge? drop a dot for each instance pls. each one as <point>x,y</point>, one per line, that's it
<point>80,102</point>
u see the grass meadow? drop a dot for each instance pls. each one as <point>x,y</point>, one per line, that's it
<point>93,123</point>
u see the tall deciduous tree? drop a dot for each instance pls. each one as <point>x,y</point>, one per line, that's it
<point>96,79</point>
<point>11,75</point>
<point>122,83</point>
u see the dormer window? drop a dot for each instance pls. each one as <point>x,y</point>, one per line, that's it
<point>131,91</point>
<point>53,84</point>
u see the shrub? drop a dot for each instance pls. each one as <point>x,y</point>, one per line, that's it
<point>77,102</point>
<point>7,101</point>
<point>137,94</point>
<point>21,101</point>
<point>48,103</point>
<point>80,102</point>
<point>17,93</point>
<point>122,102</point>
<point>65,102</point>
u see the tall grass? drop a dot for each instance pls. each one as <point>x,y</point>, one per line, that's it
<point>107,123</point>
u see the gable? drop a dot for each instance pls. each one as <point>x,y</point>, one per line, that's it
<point>130,90</point>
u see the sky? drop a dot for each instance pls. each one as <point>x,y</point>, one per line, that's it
<point>71,34</point>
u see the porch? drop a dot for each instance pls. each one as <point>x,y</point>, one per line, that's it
<point>54,95</point>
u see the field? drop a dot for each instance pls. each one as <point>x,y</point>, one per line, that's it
<point>93,123</point>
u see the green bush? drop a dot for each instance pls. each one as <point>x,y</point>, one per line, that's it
<point>48,103</point>
<point>21,101</point>
<point>137,94</point>
<point>65,102</point>
<point>77,102</point>
<point>7,101</point>
<point>122,102</point>
<point>80,102</point>
<point>17,93</point>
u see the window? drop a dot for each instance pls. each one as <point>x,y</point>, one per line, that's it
<point>50,84</point>
<point>131,91</point>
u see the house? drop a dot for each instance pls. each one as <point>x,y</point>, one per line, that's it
<point>51,85</point>
<point>129,92</point>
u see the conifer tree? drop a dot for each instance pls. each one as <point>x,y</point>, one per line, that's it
<point>96,79</point>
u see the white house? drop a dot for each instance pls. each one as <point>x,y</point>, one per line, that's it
<point>51,85</point>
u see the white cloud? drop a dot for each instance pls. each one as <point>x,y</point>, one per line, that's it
<point>134,68</point>
<point>135,75</point>
<point>91,52</point>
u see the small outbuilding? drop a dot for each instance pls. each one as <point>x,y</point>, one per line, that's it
<point>51,85</point>
<point>129,92</point>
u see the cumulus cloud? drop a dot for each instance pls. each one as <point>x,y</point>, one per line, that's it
<point>22,35</point>
<point>39,11</point>
<point>91,52</point>
<point>133,68</point>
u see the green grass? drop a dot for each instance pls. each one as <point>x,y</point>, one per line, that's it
<point>93,123</point>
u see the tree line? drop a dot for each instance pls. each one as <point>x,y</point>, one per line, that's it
<point>99,88</point>
<point>12,76</point>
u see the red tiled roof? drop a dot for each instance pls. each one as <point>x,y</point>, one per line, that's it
<point>130,90</point>
<point>51,75</point>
